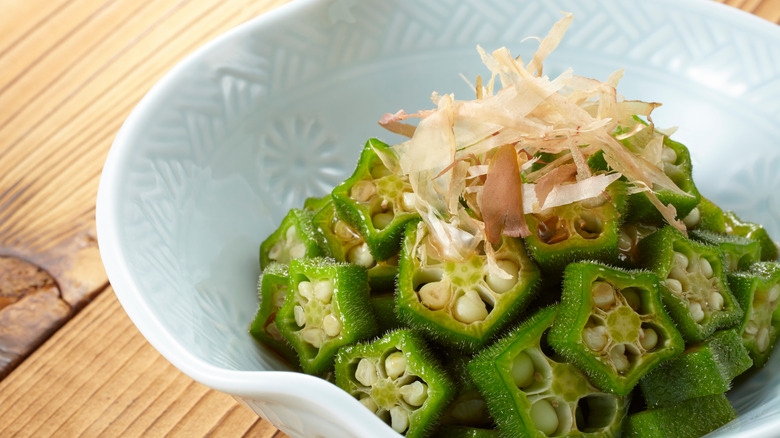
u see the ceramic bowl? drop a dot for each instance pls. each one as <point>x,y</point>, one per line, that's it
<point>278,109</point>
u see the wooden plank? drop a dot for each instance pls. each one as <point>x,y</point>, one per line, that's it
<point>98,376</point>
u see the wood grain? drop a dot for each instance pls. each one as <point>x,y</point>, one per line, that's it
<point>70,73</point>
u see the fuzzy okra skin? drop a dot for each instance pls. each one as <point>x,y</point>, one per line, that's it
<point>398,379</point>
<point>531,394</point>
<point>295,238</point>
<point>345,244</point>
<point>705,368</point>
<point>469,408</point>
<point>690,418</point>
<point>613,325</point>
<point>585,229</point>
<point>451,431</point>
<point>376,202</point>
<point>272,289</point>
<point>738,227</point>
<point>739,252</point>
<point>314,204</point>
<point>327,306</point>
<point>461,304</point>
<point>758,292</point>
<point>706,216</point>
<point>695,290</point>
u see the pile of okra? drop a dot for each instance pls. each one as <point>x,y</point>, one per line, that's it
<point>611,323</point>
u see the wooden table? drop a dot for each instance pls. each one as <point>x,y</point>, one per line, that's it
<point>71,362</point>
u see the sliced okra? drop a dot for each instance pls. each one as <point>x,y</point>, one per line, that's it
<point>695,290</point>
<point>706,216</point>
<point>469,408</point>
<point>612,324</point>
<point>454,431</point>
<point>272,289</point>
<point>294,239</point>
<point>376,202</point>
<point>690,418</point>
<point>314,204</point>
<point>532,394</point>
<point>705,368</point>
<point>464,303</point>
<point>758,292</point>
<point>396,378</point>
<point>738,227</point>
<point>327,306</point>
<point>345,244</point>
<point>628,242</point>
<point>586,229</point>
<point>739,252</point>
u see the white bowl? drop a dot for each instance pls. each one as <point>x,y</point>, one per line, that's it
<point>277,110</point>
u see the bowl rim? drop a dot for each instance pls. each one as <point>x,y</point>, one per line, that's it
<point>253,384</point>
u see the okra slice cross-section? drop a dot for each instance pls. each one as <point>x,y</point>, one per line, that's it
<point>705,368</point>
<point>327,306</point>
<point>738,227</point>
<point>758,292</point>
<point>612,324</point>
<point>376,202</point>
<point>272,289</point>
<point>295,238</point>
<point>397,378</point>
<point>464,303</point>
<point>583,230</point>
<point>530,393</point>
<point>739,252</point>
<point>695,290</point>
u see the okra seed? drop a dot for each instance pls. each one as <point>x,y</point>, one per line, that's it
<point>435,295</point>
<point>705,267</point>
<point>313,336</point>
<point>544,417</point>
<point>470,308</point>
<point>674,285</point>
<point>774,293</point>
<point>693,218</point>
<point>625,242</point>
<point>276,251</point>
<point>415,393</point>
<point>331,325</point>
<point>595,337</point>
<point>399,419</point>
<point>594,202</point>
<point>499,284</point>
<point>366,372</point>
<point>395,365</point>
<point>678,273</point>
<point>343,231</point>
<point>382,220</point>
<point>408,201</point>
<point>306,289</point>
<point>323,290</point>
<point>279,296</point>
<point>751,328</point>
<point>762,339</point>
<point>603,294</point>
<point>291,234</point>
<point>362,190</point>
<point>361,255</point>
<point>619,359</point>
<point>298,251</point>
<point>668,155</point>
<point>696,311</point>
<point>369,403</point>
<point>273,331</point>
<point>523,370</point>
<point>716,300</point>
<point>648,338</point>
<point>680,260</point>
<point>300,316</point>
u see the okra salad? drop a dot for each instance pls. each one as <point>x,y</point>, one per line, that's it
<point>534,262</point>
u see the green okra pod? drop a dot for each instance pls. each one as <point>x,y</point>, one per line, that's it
<point>272,289</point>
<point>613,325</point>
<point>327,306</point>
<point>533,394</point>
<point>695,290</point>
<point>739,252</point>
<point>738,227</point>
<point>397,378</point>
<point>376,202</point>
<point>295,238</point>
<point>462,303</point>
<point>705,368</point>
<point>758,293</point>
<point>690,418</point>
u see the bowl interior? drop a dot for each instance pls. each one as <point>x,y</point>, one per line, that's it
<point>279,109</point>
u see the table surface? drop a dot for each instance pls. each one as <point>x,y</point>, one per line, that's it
<point>71,361</point>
